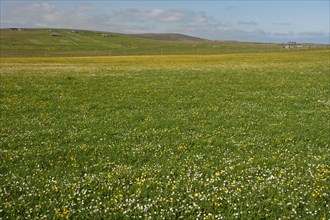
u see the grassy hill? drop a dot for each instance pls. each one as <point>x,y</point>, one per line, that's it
<point>170,36</point>
<point>40,42</point>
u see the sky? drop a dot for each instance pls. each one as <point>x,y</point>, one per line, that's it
<point>277,21</point>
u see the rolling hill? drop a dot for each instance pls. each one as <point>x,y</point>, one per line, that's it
<point>169,37</point>
<point>65,42</point>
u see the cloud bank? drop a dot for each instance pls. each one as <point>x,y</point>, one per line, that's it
<point>136,20</point>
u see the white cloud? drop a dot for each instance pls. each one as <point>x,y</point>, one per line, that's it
<point>44,14</point>
<point>47,15</point>
<point>160,15</point>
<point>134,20</point>
<point>313,34</point>
<point>252,23</point>
<point>166,15</point>
<point>281,23</point>
<point>84,7</point>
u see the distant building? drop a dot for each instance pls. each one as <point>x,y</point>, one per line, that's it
<point>288,47</point>
<point>56,35</point>
<point>75,31</point>
<point>292,44</point>
<point>15,29</point>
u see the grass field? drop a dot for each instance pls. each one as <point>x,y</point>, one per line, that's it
<point>241,136</point>
<point>40,43</point>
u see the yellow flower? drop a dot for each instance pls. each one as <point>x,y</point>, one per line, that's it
<point>64,213</point>
<point>7,205</point>
<point>182,148</point>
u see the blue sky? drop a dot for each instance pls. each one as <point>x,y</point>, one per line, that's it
<point>262,21</point>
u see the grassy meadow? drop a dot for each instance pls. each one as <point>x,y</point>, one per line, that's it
<point>40,43</point>
<point>240,136</point>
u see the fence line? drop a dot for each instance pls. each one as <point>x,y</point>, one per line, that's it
<point>161,51</point>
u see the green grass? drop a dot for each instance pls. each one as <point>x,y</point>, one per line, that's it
<point>242,136</point>
<point>40,43</point>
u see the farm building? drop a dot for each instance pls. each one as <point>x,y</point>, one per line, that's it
<point>291,44</point>
<point>288,46</point>
<point>55,35</point>
<point>15,29</point>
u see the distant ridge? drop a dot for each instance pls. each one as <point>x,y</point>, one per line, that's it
<point>169,37</point>
<point>74,42</point>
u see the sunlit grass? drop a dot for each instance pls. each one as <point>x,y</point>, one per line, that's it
<point>166,137</point>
